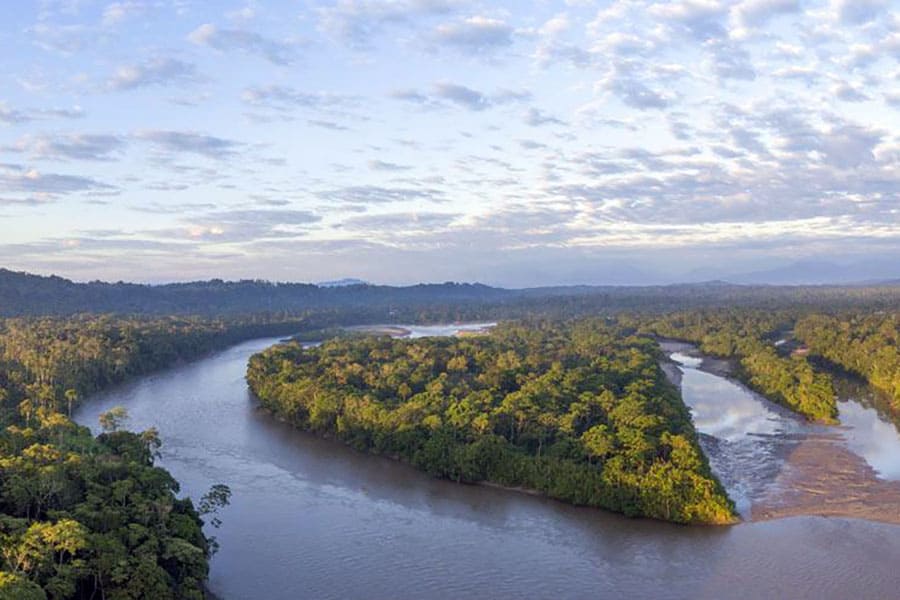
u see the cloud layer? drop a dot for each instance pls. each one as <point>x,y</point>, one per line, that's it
<point>554,142</point>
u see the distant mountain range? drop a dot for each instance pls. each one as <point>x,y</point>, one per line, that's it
<point>27,294</point>
<point>342,282</point>
<point>818,272</point>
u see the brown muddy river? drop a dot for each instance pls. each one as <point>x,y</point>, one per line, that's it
<point>312,519</point>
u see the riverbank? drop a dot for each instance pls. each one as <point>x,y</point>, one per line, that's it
<point>822,477</point>
<point>414,331</point>
<point>818,474</point>
<point>374,528</point>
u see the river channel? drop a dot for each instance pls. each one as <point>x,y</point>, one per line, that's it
<point>311,518</point>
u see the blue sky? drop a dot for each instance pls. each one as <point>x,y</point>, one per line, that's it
<point>513,143</point>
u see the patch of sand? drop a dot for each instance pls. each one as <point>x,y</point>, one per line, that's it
<point>821,476</point>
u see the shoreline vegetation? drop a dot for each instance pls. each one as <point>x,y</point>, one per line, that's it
<point>580,412</point>
<point>746,338</point>
<point>867,345</point>
<point>82,515</point>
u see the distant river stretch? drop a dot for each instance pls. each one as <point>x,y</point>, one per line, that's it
<point>313,519</point>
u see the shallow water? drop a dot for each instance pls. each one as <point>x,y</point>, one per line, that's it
<point>745,437</point>
<point>313,519</point>
<point>869,435</point>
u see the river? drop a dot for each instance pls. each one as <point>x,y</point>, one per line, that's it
<point>311,518</point>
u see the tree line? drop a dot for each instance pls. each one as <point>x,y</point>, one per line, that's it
<point>865,344</point>
<point>26,294</point>
<point>748,337</point>
<point>579,411</point>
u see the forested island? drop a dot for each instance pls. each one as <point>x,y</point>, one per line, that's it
<point>578,411</point>
<point>552,406</point>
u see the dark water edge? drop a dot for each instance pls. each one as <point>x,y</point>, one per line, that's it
<point>311,518</point>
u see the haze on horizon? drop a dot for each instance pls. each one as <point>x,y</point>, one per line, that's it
<point>511,143</point>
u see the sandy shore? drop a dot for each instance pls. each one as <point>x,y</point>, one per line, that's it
<point>402,332</point>
<point>820,476</point>
<point>391,330</point>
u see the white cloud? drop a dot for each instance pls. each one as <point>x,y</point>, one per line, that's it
<point>155,71</point>
<point>475,35</point>
<point>117,12</point>
<point>279,53</point>
<point>580,127</point>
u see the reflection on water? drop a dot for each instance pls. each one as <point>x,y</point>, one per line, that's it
<point>313,519</point>
<point>744,436</point>
<point>728,411</point>
<point>871,437</point>
<point>747,437</point>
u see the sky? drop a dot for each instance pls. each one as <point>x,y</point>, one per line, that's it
<point>512,143</point>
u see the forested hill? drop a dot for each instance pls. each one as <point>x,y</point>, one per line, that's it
<point>27,294</point>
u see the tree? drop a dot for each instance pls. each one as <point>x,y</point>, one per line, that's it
<point>17,587</point>
<point>217,498</point>
<point>71,399</point>
<point>113,419</point>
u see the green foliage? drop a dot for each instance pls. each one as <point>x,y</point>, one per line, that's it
<point>578,411</point>
<point>84,514</point>
<point>865,344</point>
<point>16,587</point>
<point>748,336</point>
<point>113,419</point>
<point>84,517</point>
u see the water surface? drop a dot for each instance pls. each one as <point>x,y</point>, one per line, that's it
<point>313,519</point>
<point>745,437</point>
<point>865,415</point>
<point>753,444</point>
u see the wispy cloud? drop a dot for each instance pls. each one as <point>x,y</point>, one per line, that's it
<point>475,35</point>
<point>34,181</point>
<point>276,52</point>
<point>190,142</point>
<point>15,116</point>
<point>357,22</point>
<point>155,71</point>
<point>446,93</point>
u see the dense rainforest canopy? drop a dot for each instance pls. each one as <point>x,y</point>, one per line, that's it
<point>865,344</point>
<point>579,411</point>
<point>26,294</point>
